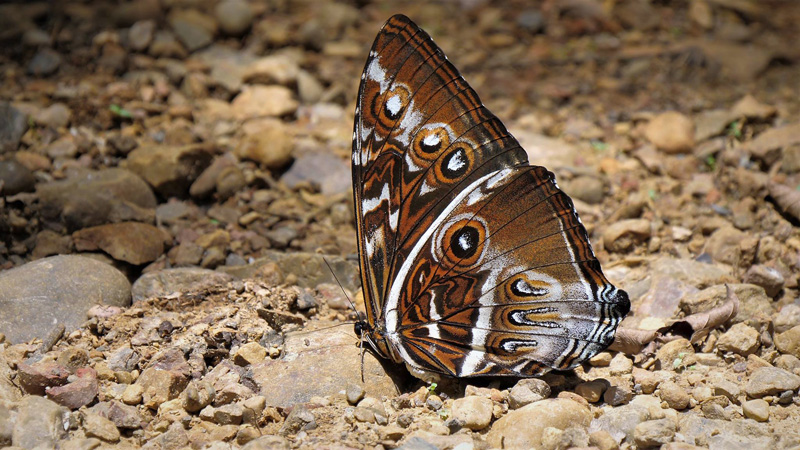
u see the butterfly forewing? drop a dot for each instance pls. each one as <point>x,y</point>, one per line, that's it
<point>473,262</point>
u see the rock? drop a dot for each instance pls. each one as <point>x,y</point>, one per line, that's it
<point>771,381</point>
<point>170,170</point>
<point>309,269</point>
<point>193,28</point>
<point>37,378</point>
<point>527,391</point>
<point>617,395</point>
<point>263,101</point>
<point>126,14</point>
<point>56,115</point>
<point>206,183</point>
<point>94,198</point>
<point>327,171</point>
<point>124,359</point>
<point>592,391</point>
<point>123,416</point>
<point>354,393</point>
<point>671,132</point>
<point>45,62</point>
<point>654,433</point>
<point>586,188</point>
<point>673,351</point>
<point>788,342</point>
<point>620,365</point>
<point>234,17</point>
<point>80,392</point>
<point>13,124</point>
<point>753,301</point>
<point>647,381</point>
<point>98,426</point>
<point>268,443</point>
<point>301,418</point>
<point>728,389</point>
<point>15,178</point>
<point>723,245</point>
<point>140,34</point>
<point>250,353</point>
<point>197,395</point>
<point>525,427</point>
<point>319,363</point>
<point>622,236</point>
<point>621,422</point>
<point>674,395</point>
<point>757,410</point>
<point>165,45</point>
<point>275,69</point>
<point>768,278</point>
<point>474,411</point>
<point>40,422</point>
<point>164,381</point>
<point>167,281</point>
<point>56,290</point>
<point>309,89</point>
<point>132,395</point>
<point>132,242</point>
<point>740,338</point>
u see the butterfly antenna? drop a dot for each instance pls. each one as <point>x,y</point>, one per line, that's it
<point>352,305</point>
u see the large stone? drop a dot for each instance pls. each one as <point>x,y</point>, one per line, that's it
<point>524,428</point>
<point>15,178</point>
<point>170,170</point>
<point>168,281</point>
<point>56,290</point>
<point>13,124</point>
<point>40,422</point>
<point>94,198</point>
<point>671,132</point>
<point>319,363</point>
<point>132,242</point>
<point>263,101</point>
<point>474,411</point>
<point>771,381</point>
<point>788,342</point>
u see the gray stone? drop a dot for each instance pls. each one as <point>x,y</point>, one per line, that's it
<point>94,198</point>
<point>168,281</point>
<point>309,268</point>
<point>321,168</point>
<point>15,178</point>
<point>234,16</point>
<point>301,418</point>
<point>654,433</point>
<point>527,391</point>
<point>56,290</point>
<point>771,381</point>
<point>268,443</point>
<point>768,278</point>
<point>319,363</point>
<point>45,62</point>
<point>40,422</point>
<point>13,124</point>
<point>621,421</point>
<point>140,34</point>
<point>194,29</point>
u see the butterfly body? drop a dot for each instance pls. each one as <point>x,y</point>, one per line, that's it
<point>473,262</point>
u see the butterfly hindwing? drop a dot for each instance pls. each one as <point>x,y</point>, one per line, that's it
<point>473,262</point>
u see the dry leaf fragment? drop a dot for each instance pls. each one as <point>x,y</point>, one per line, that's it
<point>786,198</point>
<point>695,327</point>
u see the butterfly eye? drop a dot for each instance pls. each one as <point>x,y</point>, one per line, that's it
<point>394,103</point>
<point>464,242</point>
<point>456,163</point>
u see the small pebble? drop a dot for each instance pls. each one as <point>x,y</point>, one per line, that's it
<point>757,410</point>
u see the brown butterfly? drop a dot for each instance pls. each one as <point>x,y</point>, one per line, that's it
<point>473,262</point>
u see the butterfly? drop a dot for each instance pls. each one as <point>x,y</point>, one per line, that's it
<point>473,262</point>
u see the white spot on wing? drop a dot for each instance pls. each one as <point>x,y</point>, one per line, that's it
<point>371,203</point>
<point>431,140</point>
<point>393,105</point>
<point>456,162</point>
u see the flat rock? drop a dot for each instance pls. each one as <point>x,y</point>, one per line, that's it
<point>788,342</point>
<point>309,268</point>
<point>97,197</point>
<point>271,145</point>
<point>56,290</point>
<point>168,281</point>
<point>324,169</point>
<point>13,124</point>
<point>622,236</point>
<point>273,69</point>
<point>319,363</point>
<point>40,422</point>
<point>170,170</point>
<point>132,242</point>
<point>474,411</point>
<point>524,427</point>
<point>771,381</point>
